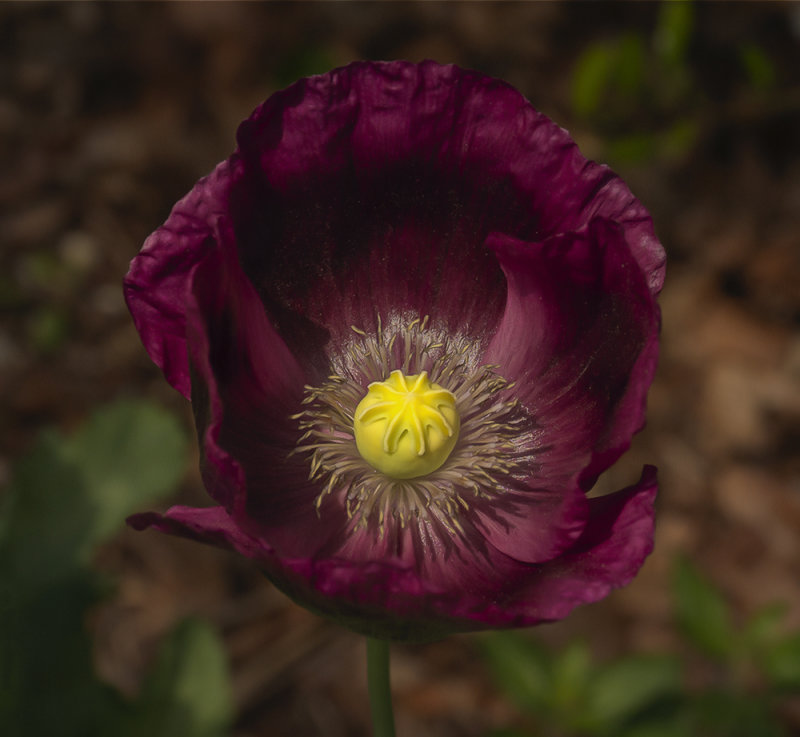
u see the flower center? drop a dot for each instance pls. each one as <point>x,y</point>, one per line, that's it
<point>410,453</point>
<point>406,426</point>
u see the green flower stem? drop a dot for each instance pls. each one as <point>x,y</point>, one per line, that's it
<point>380,692</point>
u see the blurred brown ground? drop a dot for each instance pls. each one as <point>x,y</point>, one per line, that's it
<point>110,112</point>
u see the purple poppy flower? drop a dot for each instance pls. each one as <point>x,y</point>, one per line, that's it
<point>415,325</point>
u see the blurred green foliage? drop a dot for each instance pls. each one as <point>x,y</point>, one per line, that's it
<point>641,94</point>
<point>304,61</point>
<point>188,692</point>
<point>69,494</point>
<point>749,671</point>
<point>569,694</point>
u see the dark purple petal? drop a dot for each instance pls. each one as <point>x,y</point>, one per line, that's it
<point>156,284</point>
<point>408,586</point>
<point>609,553</point>
<point>534,524</point>
<point>390,231</point>
<point>396,599</point>
<point>211,525</point>
<point>409,168</point>
<point>580,337</point>
<point>389,596</point>
<point>246,385</point>
<point>444,564</point>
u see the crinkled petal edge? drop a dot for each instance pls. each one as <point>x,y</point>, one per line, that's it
<point>388,600</point>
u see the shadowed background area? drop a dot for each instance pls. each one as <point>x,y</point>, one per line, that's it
<point>110,112</point>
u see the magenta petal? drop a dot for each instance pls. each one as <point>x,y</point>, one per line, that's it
<point>211,525</point>
<point>372,146</point>
<point>409,167</point>
<point>156,283</point>
<point>378,593</point>
<point>609,553</point>
<point>580,337</point>
<point>451,564</point>
<point>246,386</point>
<point>409,586</point>
<point>536,524</point>
<point>231,336</point>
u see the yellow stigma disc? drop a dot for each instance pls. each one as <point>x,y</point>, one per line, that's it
<point>405,426</point>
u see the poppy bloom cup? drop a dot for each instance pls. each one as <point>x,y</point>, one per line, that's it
<point>415,325</point>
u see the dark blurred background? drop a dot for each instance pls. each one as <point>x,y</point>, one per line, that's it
<point>110,112</point>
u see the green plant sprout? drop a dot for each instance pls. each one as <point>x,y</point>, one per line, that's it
<point>641,95</point>
<point>749,672</point>
<point>67,495</point>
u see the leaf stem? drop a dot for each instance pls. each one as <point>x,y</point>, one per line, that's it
<point>380,692</point>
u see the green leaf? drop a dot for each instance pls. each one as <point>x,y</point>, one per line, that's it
<point>590,78</point>
<point>572,671</point>
<point>673,726</point>
<point>521,668</point>
<point>68,494</point>
<point>632,148</point>
<point>702,612</point>
<point>47,683</point>
<point>188,693</point>
<point>304,61</point>
<point>760,70</point>
<point>622,689</point>
<point>630,66</point>
<point>48,330</point>
<point>677,139</point>
<point>130,453</point>
<point>46,516</point>
<point>763,630</point>
<point>722,713</point>
<point>673,32</point>
<point>782,663</point>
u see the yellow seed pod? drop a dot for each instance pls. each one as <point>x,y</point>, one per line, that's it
<point>406,426</point>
